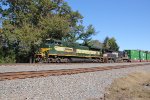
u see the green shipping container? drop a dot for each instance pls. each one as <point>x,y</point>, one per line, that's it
<point>142,55</point>
<point>148,56</point>
<point>133,54</point>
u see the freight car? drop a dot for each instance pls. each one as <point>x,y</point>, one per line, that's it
<point>138,55</point>
<point>56,51</point>
<point>148,56</point>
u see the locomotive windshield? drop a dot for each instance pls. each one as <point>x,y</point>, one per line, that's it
<point>52,42</point>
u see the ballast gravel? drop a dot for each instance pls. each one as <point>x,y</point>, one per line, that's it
<point>85,86</point>
<point>38,67</point>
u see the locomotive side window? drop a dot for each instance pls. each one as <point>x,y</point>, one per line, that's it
<point>57,43</point>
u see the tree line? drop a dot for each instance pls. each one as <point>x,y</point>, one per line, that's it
<point>28,23</point>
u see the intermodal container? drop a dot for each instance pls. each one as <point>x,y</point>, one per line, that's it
<point>134,55</point>
<point>143,56</point>
<point>148,56</point>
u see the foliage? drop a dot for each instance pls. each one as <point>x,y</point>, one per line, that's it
<point>110,44</point>
<point>113,44</point>
<point>28,22</point>
<point>6,55</point>
<point>106,43</point>
<point>54,27</point>
<point>21,39</point>
<point>95,44</point>
<point>86,36</point>
<point>8,59</point>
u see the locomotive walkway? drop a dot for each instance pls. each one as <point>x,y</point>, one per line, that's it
<point>32,74</point>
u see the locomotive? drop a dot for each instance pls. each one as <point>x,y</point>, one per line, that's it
<point>56,51</point>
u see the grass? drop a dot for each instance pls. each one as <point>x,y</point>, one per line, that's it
<point>135,86</point>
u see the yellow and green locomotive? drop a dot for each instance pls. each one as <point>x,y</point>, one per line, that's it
<point>57,51</point>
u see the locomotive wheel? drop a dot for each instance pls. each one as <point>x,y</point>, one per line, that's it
<point>58,60</point>
<point>40,60</point>
<point>94,61</point>
<point>65,60</point>
<point>109,61</point>
<point>50,60</point>
<point>68,60</point>
<point>125,61</point>
<point>112,61</point>
<point>98,60</point>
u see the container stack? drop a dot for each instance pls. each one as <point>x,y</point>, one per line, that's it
<point>138,55</point>
<point>133,55</point>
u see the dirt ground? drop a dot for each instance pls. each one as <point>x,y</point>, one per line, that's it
<point>135,86</point>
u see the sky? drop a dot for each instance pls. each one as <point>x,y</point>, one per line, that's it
<point>126,20</point>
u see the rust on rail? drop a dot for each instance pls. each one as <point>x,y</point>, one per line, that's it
<point>45,73</point>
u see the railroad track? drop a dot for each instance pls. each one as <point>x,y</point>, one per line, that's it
<point>37,64</point>
<point>45,73</point>
<point>28,64</point>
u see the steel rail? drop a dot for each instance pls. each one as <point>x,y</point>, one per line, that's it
<point>45,73</point>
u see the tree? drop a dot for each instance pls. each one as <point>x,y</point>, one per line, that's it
<point>113,44</point>
<point>22,39</point>
<point>86,36</point>
<point>95,44</point>
<point>106,43</point>
<point>110,44</point>
<point>54,27</point>
<point>24,26</point>
<point>27,23</point>
<point>74,34</point>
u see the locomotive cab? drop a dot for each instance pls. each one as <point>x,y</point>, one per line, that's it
<point>44,49</point>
